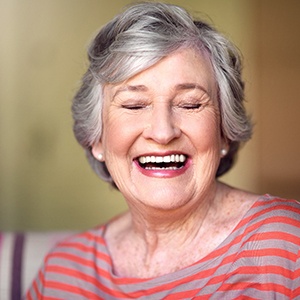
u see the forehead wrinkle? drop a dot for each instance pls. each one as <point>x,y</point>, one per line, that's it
<point>190,86</point>
<point>130,88</point>
<point>143,88</point>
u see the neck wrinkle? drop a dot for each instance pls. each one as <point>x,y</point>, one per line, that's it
<point>158,228</point>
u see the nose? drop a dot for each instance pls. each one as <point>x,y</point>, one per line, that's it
<point>162,126</point>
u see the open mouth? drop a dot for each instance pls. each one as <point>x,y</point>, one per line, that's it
<point>167,162</point>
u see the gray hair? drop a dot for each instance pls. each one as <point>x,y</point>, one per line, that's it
<point>137,39</point>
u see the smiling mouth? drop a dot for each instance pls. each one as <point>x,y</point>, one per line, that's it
<point>167,162</point>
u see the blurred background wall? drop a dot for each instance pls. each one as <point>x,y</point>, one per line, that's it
<point>45,181</point>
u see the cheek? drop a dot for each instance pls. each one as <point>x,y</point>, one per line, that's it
<point>119,133</point>
<point>205,130</point>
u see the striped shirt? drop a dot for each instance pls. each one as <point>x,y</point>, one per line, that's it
<point>258,260</point>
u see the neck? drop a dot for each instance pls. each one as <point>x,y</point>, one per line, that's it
<point>158,242</point>
<point>158,228</point>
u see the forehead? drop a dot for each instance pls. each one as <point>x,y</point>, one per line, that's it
<point>182,70</point>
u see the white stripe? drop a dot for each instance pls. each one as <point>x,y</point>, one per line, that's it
<point>6,263</point>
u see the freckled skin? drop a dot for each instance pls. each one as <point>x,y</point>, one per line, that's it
<point>174,220</point>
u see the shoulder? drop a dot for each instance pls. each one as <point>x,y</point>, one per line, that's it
<point>72,264</point>
<point>89,237</point>
<point>80,249</point>
<point>268,206</point>
<point>273,219</point>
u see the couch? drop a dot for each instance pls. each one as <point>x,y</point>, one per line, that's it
<point>21,255</point>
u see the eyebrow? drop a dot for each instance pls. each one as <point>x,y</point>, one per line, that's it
<point>131,88</point>
<point>190,86</point>
<point>143,88</point>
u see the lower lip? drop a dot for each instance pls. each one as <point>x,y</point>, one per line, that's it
<point>163,173</point>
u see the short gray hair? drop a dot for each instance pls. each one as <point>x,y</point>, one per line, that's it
<point>137,39</point>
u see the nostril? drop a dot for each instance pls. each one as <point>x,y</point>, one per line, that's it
<point>162,133</point>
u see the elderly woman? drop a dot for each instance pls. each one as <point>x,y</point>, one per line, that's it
<point>160,113</point>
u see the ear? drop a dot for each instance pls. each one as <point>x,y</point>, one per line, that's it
<point>97,151</point>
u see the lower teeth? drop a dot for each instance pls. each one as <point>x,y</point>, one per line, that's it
<point>163,168</point>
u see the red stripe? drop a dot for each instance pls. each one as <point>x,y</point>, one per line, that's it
<point>269,252</point>
<point>267,202</point>
<point>76,274</point>
<point>83,276</point>
<point>41,280</point>
<point>275,235</point>
<point>93,237</point>
<point>264,286</point>
<point>268,221</point>
<point>207,273</point>
<point>296,293</point>
<point>73,289</point>
<point>74,258</point>
<point>283,206</point>
<point>270,269</point>
<point>86,249</point>
<point>28,296</point>
<point>244,298</point>
<point>248,234</point>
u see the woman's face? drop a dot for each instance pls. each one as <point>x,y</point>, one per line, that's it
<point>161,137</point>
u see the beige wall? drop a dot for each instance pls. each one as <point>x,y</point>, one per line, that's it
<point>279,101</point>
<point>45,181</point>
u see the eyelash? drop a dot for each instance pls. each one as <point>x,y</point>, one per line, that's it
<point>134,106</point>
<point>191,106</point>
<point>184,105</point>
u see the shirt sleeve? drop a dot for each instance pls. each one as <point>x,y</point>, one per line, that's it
<point>35,292</point>
<point>296,279</point>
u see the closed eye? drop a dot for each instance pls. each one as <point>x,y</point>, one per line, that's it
<point>134,106</point>
<point>191,106</point>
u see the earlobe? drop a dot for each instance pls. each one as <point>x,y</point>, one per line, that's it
<point>100,157</point>
<point>223,152</point>
<point>97,151</point>
<point>224,149</point>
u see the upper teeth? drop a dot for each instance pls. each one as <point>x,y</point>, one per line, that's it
<point>160,159</point>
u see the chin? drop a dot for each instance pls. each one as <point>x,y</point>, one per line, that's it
<point>165,200</point>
